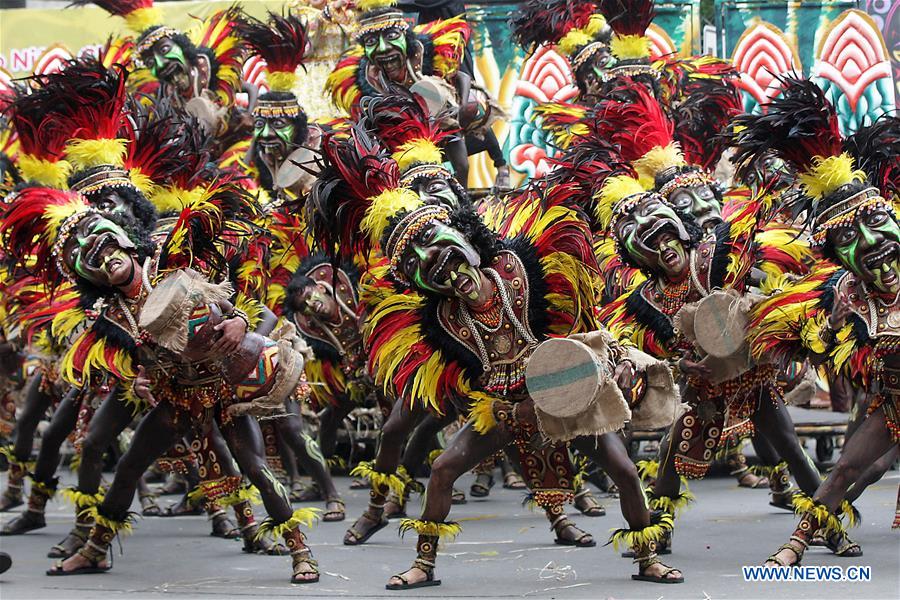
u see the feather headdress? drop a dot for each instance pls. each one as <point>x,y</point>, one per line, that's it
<point>629,20</point>
<point>801,127</point>
<point>139,15</point>
<point>574,26</point>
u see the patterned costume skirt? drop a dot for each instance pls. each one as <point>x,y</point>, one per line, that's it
<point>719,413</point>
<point>890,403</point>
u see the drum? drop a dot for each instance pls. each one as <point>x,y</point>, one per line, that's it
<point>720,324</point>
<point>437,94</point>
<point>296,168</point>
<point>181,313</point>
<point>572,387</point>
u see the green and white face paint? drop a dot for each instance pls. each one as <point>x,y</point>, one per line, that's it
<point>100,252</point>
<point>699,201</point>
<point>388,51</point>
<point>654,237</point>
<point>435,190</point>
<point>167,62</point>
<point>274,136</point>
<point>869,247</point>
<point>441,260</point>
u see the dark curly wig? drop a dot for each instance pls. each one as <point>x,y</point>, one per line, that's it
<point>142,209</point>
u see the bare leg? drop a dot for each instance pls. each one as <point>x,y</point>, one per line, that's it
<point>774,424</point>
<point>36,404</point>
<point>873,473</point>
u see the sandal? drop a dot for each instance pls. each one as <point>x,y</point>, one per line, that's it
<point>841,545</point>
<point>751,480</point>
<point>588,505</point>
<point>360,484</point>
<point>70,544</point>
<point>584,540</point>
<point>429,581</point>
<point>335,515</point>
<point>780,562</point>
<point>182,508</point>
<point>512,481</point>
<point>394,507</point>
<point>11,498</point>
<point>223,527</point>
<point>481,488</point>
<point>458,497</point>
<point>662,578</point>
<point>92,568</point>
<point>149,507</point>
<point>305,558</point>
<point>309,493</point>
<point>783,501</point>
<point>25,522</point>
<point>354,538</point>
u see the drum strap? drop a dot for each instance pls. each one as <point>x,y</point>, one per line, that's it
<point>694,278</point>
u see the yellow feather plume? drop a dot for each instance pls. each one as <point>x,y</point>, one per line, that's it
<point>481,412</point>
<point>117,527</point>
<point>647,469</point>
<point>826,520</point>
<point>595,25</point>
<point>573,41</point>
<point>383,207</point>
<point>656,160</point>
<point>282,81</point>
<point>367,5</point>
<point>43,172</point>
<point>80,499</point>
<point>614,190</point>
<point>84,154</point>
<point>639,538</point>
<point>630,46</point>
<point>143,18</point>
<point>828,174</point>
<point>673,505</point>
<point>417,151</point>
<point>389,481</point>
<point>301,516</point>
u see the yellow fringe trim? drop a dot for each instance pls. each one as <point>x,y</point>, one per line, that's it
<point>244,494</point>
<point>635,538</point>
<point>84,154</point>
<point>7,451</point>
<point>442,531</point>
<point>766,471</point>
<point>828,174</point>
<point>44,172</point>
<point>336,462</point>
<point>828,522</point>
<point>673,506</point>
<point>630,46</point>
<point>391,481</point>
<point>648,469</point>
<point>301,516</point>
<point>851,513</point>
<point>42,488</point>
<point>433,456</point>
<point>80,499</point>
<point>143,18</point>
<point>282,81</point>
<point>481,414</point>
<point>580,463</point>
<point>117,527</point>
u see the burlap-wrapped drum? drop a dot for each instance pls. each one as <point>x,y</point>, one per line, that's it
<point>573,390</point>
<point>181,314</point>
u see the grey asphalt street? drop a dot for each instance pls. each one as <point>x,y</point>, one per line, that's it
<point>505,551</point>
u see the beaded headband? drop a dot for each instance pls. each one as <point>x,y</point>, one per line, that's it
<point>109,177</point>
<point>630,70</point>
<point>627,204</point>
<point>843,212</point>
<point>406,230</point>
<point>62,235</point>
<point>692,178</point>
<point>277,108</point>
<point>588,51</point>
<point>380,22</point>
<point>423,170</point>
<point>151,38</point>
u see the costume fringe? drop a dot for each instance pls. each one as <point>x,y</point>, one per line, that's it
<point>672,505</point>
<point>410,484</point>
<point>117,527</point>
<point>481,413</point>
<point>42,488</point>
<point>851,512</point>
<point>448,530</point>
<point>7,451</point>
<point>433,455</point>
<point>336,462</point>
<point>828,522</point>
<point>635,538</point>
<point>391,481</point>
<point>648,469</point>
<point>768,471</point>
<point>80,499</point>
<point>301,516</point>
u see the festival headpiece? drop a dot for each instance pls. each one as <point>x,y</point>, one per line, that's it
<point>801,127</point>
<point>356,194</point>
<point>139,15</point>
<point>378,15</point>
<point>282,42</point>
<point>35,226</point>
<point>401,122</point>
<point>629,20</point>
<point>574,26</point>
<point>41,139</point>
<point>87,100</point>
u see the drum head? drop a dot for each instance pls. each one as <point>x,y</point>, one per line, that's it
<point>435,95</point>
<point>162,302</point>
<point>294,168</point>
<point>563,376</point>
<point>720,325</point>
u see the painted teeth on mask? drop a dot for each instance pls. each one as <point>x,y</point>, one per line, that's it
<point>884,257</point>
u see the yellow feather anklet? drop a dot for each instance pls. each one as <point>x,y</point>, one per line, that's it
<point>632,538</point>
<point>301,516</point>
<point>448,530</point>
<point>826,520</point>
<point>391,481</point>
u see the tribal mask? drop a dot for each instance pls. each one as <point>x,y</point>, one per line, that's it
<point>100,252</point>
<point>315,300</point>
<point>436,190</point>
<point>167,61</point>
<point>654,237</point>
<point>274,137</point>
<point>701,202</point>
<point>387,49</point>
<point>440,259</point>
<point>592,74</point>
<point>869,246</point>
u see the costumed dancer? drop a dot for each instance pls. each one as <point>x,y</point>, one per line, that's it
<point>846,312</point>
